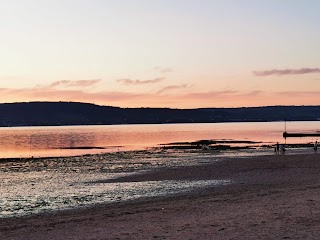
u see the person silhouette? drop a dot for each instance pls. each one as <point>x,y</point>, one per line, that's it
<point>315,146</point>
<point>282,149</point>
<point>277,148</point>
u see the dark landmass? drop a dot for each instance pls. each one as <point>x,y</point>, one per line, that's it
<point>210,142</point>
<point>74,113</point>
<point>85,147</point>
<point>214,147</point>
<point>211,145</point>
<point>221,145</point>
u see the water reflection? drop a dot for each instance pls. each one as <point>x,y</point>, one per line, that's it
<point>66,141</point>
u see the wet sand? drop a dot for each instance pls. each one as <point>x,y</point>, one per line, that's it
<point>269,197</point>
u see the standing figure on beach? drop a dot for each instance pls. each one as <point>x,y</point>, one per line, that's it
<point>282,149</point>
<point>277,148</point>
<point>315,147</point>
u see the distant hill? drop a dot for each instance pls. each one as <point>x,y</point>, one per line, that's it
<point>75,113</point>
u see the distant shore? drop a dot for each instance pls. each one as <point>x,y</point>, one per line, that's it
<point>269,197</point>
<point>79,113</point>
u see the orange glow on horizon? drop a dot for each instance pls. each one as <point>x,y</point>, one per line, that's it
<point>187,100</point>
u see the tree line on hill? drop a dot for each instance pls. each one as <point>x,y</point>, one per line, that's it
<point>76,113</point>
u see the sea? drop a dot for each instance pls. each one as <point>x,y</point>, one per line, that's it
<point>64,167</point>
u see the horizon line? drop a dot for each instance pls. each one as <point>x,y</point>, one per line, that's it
<point>160,107</point>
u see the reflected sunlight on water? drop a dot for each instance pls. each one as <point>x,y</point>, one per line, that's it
<point>78,140</point>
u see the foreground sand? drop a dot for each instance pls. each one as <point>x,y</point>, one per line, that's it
<point>274,197</point>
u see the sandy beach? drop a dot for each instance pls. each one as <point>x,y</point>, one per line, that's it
<point>269,197</point>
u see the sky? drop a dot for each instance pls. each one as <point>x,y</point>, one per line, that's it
<point>161,53</point>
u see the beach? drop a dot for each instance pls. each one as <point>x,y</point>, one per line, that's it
<point>266,197</point>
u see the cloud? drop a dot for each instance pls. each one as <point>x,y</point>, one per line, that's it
<point>174,99</point>
<point>163,69</point>
<point>128,81</point>
<point>173,87</point>
<point>123,99</point>
<point>295,94</point>
<point>74,83</point>
<point>211,94</point>
<point>51,94</point>
<point>281,72</point>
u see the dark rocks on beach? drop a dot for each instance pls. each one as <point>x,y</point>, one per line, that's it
<point>223,144</point>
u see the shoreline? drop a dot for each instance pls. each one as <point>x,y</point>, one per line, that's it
<point>270,197</point>
<point>213,146</point>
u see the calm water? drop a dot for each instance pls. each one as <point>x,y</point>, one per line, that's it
<point>33,186</point>
<point>66,141</point>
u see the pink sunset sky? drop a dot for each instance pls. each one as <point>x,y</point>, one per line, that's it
<point>161,53</point>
